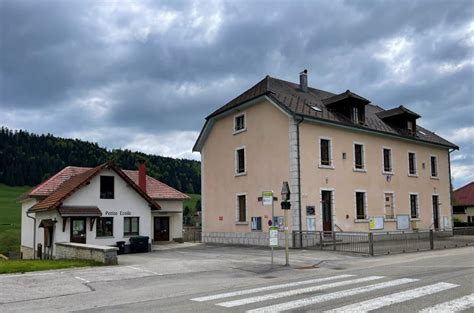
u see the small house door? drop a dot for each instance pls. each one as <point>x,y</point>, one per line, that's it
<point>78,230</point>
<point>435,212</point>
<point>389,212</point>
<point>161,228</point>
<point>326,204</point>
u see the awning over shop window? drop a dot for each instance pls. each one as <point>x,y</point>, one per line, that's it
<point>47,223</point>
<point>79,211</point>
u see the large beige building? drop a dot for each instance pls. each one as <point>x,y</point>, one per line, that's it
<point>351,165</point>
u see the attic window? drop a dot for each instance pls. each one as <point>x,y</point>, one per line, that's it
<point>357,115</point>
<point>316,108</point>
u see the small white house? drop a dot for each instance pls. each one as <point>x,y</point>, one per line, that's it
<point>99,206</point>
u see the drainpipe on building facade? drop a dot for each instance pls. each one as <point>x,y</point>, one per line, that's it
<point>450,186</point>
<point>34,234</point>
<point>299,177</point>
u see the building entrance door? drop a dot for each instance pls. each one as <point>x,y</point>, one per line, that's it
<point>326,204</point>
<point>389,212</point>
<point>435,212</point>
<point>78,230</point>
<point>161,228</point>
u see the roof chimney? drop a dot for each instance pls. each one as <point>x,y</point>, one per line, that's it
<point>142,175</point>
<point>304,80</point>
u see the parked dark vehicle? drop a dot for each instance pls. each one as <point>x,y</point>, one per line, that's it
<point>139,244</point>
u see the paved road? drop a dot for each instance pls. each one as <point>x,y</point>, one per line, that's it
<point>228,279</point>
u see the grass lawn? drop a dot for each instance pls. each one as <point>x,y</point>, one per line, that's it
<point>10,220</point>
<point>21,266</point>
<point>191,203</point>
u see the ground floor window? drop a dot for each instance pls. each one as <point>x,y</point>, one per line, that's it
<point>105,227</point>
<point>131,226</point>
<point>256,223</point>
<point>360,205</point>
<point>414,206</point>
<point>241,209</point>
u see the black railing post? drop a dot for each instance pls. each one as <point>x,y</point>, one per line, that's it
<point>371,244</point>
<point>334,240</point>
<point>431,240</point>
<point>294,239</point>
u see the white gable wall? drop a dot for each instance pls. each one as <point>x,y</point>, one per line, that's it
<point>126,199</point>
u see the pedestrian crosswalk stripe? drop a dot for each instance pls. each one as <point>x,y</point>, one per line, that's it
<point>455,305</point>
<point>274,287</point>
<point>331,296</point>
<point>393,298</point>
<point>294,292</point>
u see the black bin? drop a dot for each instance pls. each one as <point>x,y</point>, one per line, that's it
<point>121,247</point>
<point>139,244</point>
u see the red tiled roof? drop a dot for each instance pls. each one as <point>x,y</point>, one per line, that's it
<point>69,176</point>
<point>157,189</point>
<point>464,195</point>
<point>69,186</point>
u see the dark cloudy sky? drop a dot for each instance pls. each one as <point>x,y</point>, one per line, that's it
<point>143,74</point>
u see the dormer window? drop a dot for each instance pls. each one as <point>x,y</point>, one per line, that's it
<point>357,115</point>
<point>348,104</point>
<point>401,119</point>
<point>239,123</point>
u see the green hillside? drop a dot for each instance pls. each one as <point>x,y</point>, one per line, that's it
<point>29,159</point>
<point>10,220</point>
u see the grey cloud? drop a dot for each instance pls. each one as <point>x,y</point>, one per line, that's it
<point>159,67</point>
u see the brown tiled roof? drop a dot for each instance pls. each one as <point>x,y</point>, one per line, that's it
<point>68,187</point>
<point>85,211</point>
<point>464,196</point>
<point>156,189</point>
<point>296,102</point>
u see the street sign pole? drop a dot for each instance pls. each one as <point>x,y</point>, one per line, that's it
<point>273,221</point>
<point>287,253</point>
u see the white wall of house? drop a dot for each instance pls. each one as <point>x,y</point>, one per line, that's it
<point>126,203</point>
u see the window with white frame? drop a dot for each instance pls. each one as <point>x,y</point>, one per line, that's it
<point>359,156</point>
<point>434,166</point>
<point>240,161</point>
<point>256,223</point>
<point>241,208</point>
<point>325,157</point>
<point>414,206</point>
<point>387,160</point>
<point>412,163</point>
<point>360,200</point>
<point>239,123</point>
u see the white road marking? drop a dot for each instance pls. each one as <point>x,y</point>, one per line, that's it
<point>399,297</point>
<point>254,290</point>
<point>455,305</point>
<point>294,292</point>
<point>144,270</point>
<point>331,296</point>
<point>80,278</point>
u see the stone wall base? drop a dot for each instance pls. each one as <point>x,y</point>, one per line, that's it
<point>103,254</point>
<point>26,252</point>
<point>251,238</point>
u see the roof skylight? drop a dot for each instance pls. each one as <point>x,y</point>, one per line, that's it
<point>316,108</point>
<point>423,133</point>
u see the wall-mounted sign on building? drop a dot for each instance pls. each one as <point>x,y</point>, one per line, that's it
<point>267,197</point>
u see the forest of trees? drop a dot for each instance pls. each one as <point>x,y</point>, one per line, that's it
<point>28,159</point>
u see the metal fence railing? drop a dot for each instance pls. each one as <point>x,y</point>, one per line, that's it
<point>379,243</point>
<point>192,235</point>
<point>464,231</point>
